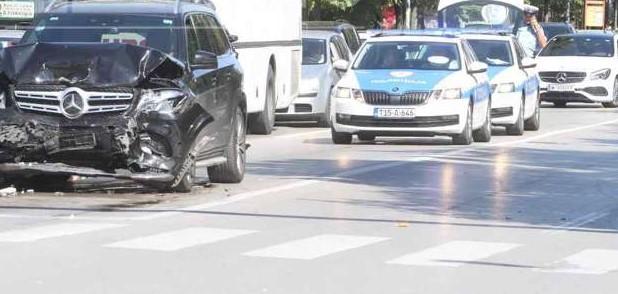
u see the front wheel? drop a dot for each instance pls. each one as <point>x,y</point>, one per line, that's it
<point>340,138</point>
<point>534,123</point>
<point>614,103</point>
<point>465,138</point>
<point>233,170</point>
<point>484,133</point>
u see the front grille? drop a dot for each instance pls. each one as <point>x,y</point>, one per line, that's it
<point>571,77</point>
<point>302,108</point>
<point>408,98</point>
<point>47,98</point>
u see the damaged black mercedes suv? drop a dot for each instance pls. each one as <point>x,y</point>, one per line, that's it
<point>141,90</point>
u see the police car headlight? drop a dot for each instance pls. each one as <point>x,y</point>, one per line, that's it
<point>601,74</point>
<point>446,94</point>
<point>347,93</point>
<point>160,100</point>
<point>505,88</point>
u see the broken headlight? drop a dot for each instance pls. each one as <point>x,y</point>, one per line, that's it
<point>160,100</point>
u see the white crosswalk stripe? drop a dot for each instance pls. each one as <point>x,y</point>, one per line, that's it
<point>454,253</point>
<point>176,240</point>
<point>53,231</point>
<point>589,261</point>
<point>314,247</point>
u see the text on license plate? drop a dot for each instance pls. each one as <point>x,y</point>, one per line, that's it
<point>394,112</point>
<point>561,88</point>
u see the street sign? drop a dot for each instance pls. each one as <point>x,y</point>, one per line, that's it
<point>594,11</point>
<point>17,10</point>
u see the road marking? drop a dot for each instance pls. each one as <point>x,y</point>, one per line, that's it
<point>315,247</point>
<point>53,231</point>
<point>181,239</point>
<point>577,222</point>
<point>454,254</point>
<point>589,261</point>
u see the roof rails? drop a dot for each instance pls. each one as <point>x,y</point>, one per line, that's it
<point>208,3</point>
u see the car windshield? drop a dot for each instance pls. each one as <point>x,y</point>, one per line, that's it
<point>555,30</point>
<point>409,55</point>
<point>494,53</point>
<point>147,31</point>
<point>592,46</point>
<point>314,51</point>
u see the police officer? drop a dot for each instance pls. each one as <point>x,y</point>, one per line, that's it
<point>531,35</point>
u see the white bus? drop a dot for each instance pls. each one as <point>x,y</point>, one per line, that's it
<point>270,51</point>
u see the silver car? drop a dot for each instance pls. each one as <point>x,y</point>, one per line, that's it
<point>321,49</point>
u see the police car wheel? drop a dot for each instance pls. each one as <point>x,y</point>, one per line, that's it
<point>465,138</point>
<point>534,123</point>
<point>484,133</point>
<point>341,138</point>
<point>517,129</point>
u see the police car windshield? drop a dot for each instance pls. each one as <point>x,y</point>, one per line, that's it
<point>592,46</point>
<point>409,55</point>
<point>140,30</point>
<point>493,52</point>
<point>314,51</point>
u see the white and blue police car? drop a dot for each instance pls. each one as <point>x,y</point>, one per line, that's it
<point>514,80</point>
<point>413,84</point>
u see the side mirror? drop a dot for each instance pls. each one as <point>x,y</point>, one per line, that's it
<point>477,67</point>
<point>232,38</point>
<point>341,65</point>
<point>528,62</point>
<point>205,60</point>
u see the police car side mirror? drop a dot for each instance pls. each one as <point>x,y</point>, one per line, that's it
<point>477,67</point>
<point>233,38</point>
<point>528,62</point>
<point>341,65</point>
<point>205,60</point>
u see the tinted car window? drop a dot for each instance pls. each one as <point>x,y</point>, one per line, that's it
<point>409,55</point>
<point>192,40</point>
<point>554,30</point>
<point>141,30</point>
<point>351,38</point>
<point>595,46</point>
<point>220,41</point>
<point>205,34</point>
<point>344,52</point>
<point>314,51</point>
<point>494,53</point>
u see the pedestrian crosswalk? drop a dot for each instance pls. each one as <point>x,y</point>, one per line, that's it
<point>449,254</point>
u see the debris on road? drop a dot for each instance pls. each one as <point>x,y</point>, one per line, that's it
<point>8,192</point>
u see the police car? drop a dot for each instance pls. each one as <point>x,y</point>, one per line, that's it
<point>515,101</point>
<point>413,84</point>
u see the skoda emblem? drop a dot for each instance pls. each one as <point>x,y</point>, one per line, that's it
<point>72,105</point>
<point>395,89</point>
<point>562,78</point>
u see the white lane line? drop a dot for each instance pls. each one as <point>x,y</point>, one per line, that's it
<point>577,222</point>
<point>53,231</point>
<point>176,240</point>
<point>454,254</point>
<point>314,247</point>
<point>589,261</point>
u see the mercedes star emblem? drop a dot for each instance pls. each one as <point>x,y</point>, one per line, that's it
<point>72,105</point>
<point>562,78</point>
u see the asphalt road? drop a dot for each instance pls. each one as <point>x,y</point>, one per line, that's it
<point>531,214</point>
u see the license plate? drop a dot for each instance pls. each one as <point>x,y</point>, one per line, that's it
<point>561,88</point>
<point>77,142</point>
<point>394,113</point>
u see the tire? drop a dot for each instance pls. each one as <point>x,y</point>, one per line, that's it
<point>484,133</point>
<point>263,123</point>
<point>366,137</point>
<point>517,129</point>
<point>340,138</point>
<point>186,184</point>
<point>614,103</point>
<point>465,138</point>
<point>325,120</point>
<point>534,123</point>
<point>233,170</point>
<point>560,104</point>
